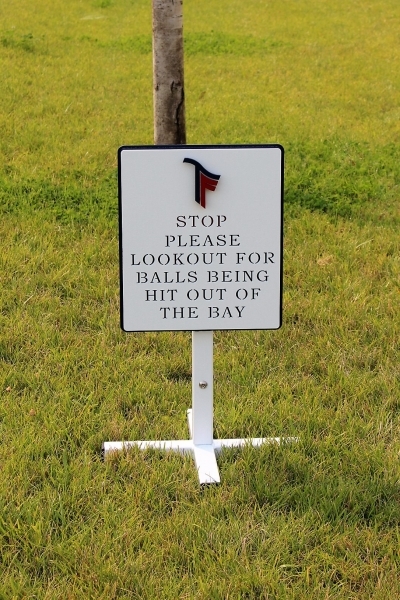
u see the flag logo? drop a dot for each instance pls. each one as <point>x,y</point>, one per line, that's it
<point>203,180</point>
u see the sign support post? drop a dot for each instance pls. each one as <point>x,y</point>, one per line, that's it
<point>200,416</point>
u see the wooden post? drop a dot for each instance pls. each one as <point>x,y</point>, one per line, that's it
<point>169,96</point>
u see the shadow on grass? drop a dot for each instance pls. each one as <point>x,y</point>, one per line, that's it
<point>341,178</point>
<point>345,179</point>
<point>344,487</point>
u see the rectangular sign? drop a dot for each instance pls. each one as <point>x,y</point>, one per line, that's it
<point>200,237</point>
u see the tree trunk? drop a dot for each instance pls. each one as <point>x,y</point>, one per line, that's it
<point>169,97</point>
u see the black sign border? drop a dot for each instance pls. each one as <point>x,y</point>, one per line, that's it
<point>197,147</point>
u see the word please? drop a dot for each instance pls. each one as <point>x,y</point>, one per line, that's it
<point>195,240</point>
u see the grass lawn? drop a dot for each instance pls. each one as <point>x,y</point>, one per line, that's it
<point>315,520</point>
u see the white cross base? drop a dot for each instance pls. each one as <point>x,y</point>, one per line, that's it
<point>200,419</point>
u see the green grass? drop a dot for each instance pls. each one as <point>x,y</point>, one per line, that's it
<point>318,519</point>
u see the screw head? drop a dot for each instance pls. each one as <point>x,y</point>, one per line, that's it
<point>203,385</point>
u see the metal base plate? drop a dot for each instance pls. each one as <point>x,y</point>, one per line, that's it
<point>204,454</point>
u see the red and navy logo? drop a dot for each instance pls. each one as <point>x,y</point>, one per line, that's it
<point>204,180</point>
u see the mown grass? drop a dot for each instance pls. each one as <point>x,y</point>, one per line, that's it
<point>319,519</point>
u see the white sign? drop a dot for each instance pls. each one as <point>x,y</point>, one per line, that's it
<point>201,237</point>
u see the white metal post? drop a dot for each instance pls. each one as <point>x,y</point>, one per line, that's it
<point>202,388</point>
